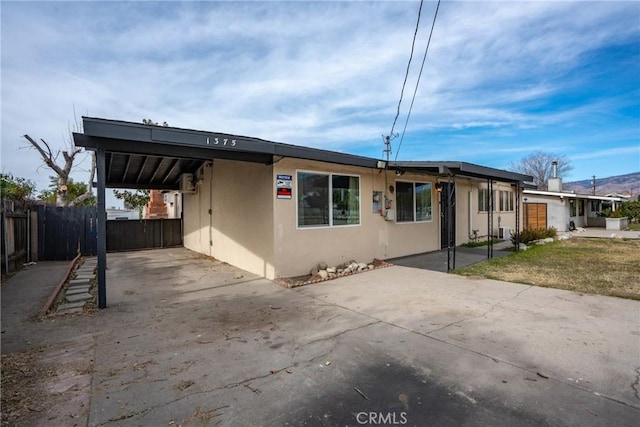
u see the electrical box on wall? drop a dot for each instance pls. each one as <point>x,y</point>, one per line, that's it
<point>186,183</point>
<point>504,233</point>
<point>390,215</point>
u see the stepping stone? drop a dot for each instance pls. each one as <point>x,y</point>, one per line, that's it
<point>71,305</point>
<point>84,276</point>
<point>77,290</point>
<point>79,297</point>
<point>84,282</point>
<point>85,271</point>
<point>71,310</point>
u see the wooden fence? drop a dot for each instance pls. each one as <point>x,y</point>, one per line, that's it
<point>65,231</point>
<point>59,233</point>
<point>15,233</point>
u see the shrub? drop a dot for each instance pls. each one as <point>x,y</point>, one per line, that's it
<point>630,210</point>
<point>529,235</point>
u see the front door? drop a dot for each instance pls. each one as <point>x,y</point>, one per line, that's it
<point>447,215</point>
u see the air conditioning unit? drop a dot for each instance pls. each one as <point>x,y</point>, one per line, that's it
<point>504,233</point>
<point>186,183</point>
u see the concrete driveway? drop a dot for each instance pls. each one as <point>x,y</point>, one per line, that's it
<point>191,341</point>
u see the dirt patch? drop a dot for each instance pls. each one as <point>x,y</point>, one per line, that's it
<point>23,391</point>
<point>47,385</point>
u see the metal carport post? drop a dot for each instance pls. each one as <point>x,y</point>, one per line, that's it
<point>102,228</point>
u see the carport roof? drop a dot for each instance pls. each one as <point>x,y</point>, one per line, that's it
<point>154,157</point>
<point>143,156</point>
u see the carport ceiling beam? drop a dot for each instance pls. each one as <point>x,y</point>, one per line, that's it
<point>110,167</point>
<point>144,165</point>
<point>157,169</point>
<point>172,170</point>
<point>126,168</point>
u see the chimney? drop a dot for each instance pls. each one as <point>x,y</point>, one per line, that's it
<point>554,183</point>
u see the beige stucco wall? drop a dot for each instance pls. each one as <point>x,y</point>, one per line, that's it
<point>298,249</point>
<point>250,228</point>
<point>240,228</point>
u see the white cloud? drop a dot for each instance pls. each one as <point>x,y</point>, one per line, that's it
<point>322,74</point>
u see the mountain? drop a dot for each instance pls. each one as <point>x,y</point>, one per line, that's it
<point>620,184</point>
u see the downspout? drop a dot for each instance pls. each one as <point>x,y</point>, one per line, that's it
<point>211,210</point>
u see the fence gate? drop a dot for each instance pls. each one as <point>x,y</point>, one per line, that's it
<point>535,215</point>
<point>63,231</point>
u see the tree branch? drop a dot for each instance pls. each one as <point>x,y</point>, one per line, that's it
<point>81,198</point>
<point>47,158</point>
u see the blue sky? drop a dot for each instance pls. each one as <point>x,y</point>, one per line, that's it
<point>502,79</point>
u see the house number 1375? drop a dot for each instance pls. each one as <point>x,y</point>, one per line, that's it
<point>223,141</point>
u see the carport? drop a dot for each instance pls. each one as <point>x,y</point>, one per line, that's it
<point>139,156</point>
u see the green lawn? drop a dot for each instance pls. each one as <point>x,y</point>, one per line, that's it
<point>634,227</point>
<point>596,266</point>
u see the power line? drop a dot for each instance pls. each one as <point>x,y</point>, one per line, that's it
<point>413,43</point>
<point>433,24</point>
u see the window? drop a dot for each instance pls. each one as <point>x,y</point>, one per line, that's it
<point>576,207</point>
<point>326,200</point>
<point>413,201</point>
<point>483,200</point>
<point>506,201</point>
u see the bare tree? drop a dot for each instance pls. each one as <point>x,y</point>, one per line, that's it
<point>63,170</point>
<point>539,165</point>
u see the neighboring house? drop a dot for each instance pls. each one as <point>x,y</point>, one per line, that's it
<point>117,213</point>
<point>562,209</point>
<point>173,203</point>
<point>276,209</point>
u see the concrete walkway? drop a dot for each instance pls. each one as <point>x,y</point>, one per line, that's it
<point>605,234</point>
<point>23,296</point>
<point>437,260</point>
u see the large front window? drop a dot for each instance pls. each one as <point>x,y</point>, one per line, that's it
<point>326,200</point>
<point>413,201</point>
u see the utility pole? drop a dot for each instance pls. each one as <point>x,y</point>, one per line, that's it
<point>593,184</point>
<point>387,147</point>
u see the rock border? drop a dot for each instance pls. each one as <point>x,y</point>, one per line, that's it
<point>294,282</point>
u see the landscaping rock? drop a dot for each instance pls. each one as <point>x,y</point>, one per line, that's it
<point>322,265</point>
<point>522,247</point>
<point>362,266</point>
<point>331,270</point>
<point>548,240</point>
<point>370,266</point>
<point>323,274</point>
<point>314,271</point>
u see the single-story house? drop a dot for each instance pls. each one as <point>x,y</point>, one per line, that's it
<point>564,209</point>
<point>276,209</point>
